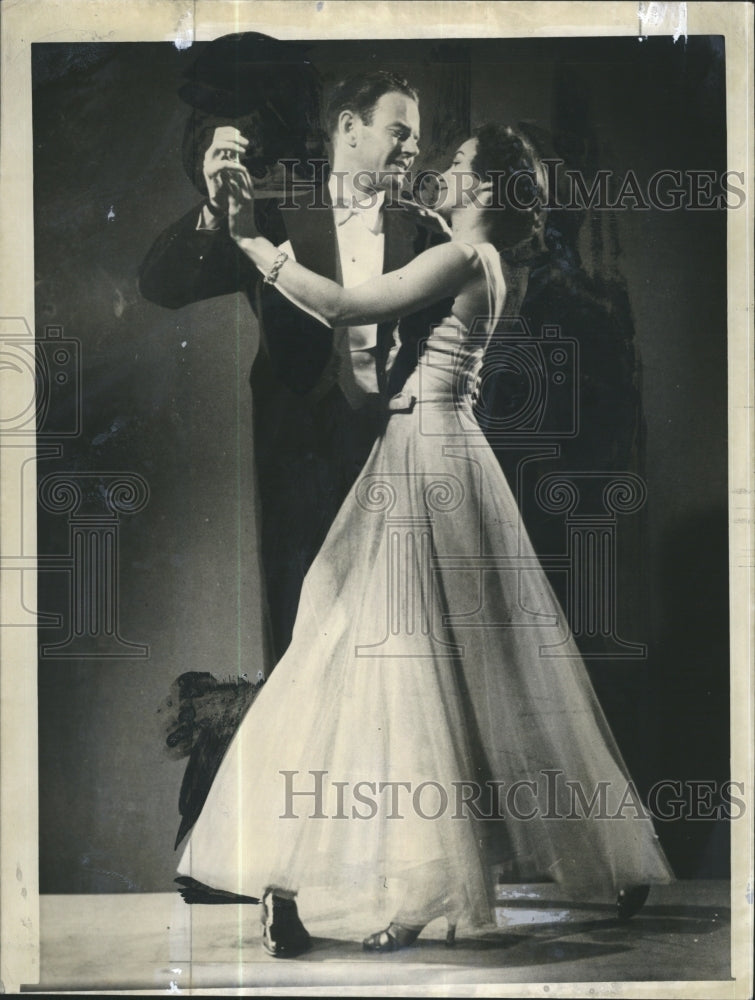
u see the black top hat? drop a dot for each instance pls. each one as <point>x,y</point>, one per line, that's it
<point>265,86</point>
<point>238,74</point>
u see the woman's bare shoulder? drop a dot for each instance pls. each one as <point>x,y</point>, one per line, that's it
<point>453,253</point>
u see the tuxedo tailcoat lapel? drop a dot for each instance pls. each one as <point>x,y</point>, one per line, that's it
<point>400,238</point>
<point>311,228</point>
<point>399,249</point>
<point>299,346</point>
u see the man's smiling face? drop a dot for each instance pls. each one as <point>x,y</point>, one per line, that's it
<point>387,145</point>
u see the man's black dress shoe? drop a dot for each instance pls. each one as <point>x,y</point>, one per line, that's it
<point>283,933</point>
<point>631,900</point>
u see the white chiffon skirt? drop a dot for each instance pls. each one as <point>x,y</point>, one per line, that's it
<point>416,728</point>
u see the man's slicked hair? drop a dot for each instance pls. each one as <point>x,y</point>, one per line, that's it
<point>360,93</point>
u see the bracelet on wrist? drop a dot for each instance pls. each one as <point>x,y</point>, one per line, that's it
<point>272,276</point>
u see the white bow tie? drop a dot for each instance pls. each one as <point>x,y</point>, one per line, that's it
<point>368,212</point>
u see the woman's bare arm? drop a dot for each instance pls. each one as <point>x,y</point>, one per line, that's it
<point>436,274</point>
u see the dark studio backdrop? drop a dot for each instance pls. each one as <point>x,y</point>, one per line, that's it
<point>165,410</point>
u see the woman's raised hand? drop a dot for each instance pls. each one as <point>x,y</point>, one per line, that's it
<point>222,163</point>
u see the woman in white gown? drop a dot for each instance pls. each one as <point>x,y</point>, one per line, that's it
<point>416,729</point>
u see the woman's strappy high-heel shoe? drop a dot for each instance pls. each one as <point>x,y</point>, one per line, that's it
<point>396,936</point>
<point>412,919</point>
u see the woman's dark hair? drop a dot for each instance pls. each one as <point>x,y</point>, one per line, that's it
<point>506,157</point>
<point>360,93</point>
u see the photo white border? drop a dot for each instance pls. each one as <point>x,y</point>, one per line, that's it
<point>23,22</point>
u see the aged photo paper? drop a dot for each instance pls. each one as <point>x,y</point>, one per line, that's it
<point>185,489</point>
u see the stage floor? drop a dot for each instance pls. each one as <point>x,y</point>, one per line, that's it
<point>159,944</point>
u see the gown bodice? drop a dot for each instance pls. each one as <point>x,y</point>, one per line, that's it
<point>447,372</point>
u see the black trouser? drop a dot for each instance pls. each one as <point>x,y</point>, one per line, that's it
<point>308,455</point>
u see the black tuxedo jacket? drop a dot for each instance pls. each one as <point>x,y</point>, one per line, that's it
<point>187,264</point>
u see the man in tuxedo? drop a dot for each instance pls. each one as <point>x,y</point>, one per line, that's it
<point>319,395</point>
